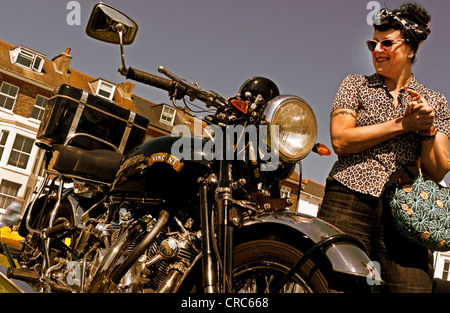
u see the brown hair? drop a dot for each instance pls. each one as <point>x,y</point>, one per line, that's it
<point>412,21</point>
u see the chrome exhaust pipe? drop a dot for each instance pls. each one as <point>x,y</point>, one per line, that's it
<point>107,276</point>
<point>140,249</point>
<point>101,282</point>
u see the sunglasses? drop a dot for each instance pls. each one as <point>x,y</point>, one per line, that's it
<point>386,44</point>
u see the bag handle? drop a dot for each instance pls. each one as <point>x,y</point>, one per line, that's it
<point>419,166</point>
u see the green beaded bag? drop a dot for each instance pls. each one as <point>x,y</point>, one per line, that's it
<point>421,209</point>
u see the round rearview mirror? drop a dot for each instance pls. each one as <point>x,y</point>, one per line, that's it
<point>109,24</point>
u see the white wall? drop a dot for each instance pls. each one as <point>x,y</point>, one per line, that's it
<point>26,127</point>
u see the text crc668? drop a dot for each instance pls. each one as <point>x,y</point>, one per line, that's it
<point>243,302</point>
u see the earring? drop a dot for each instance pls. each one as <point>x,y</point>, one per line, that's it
<point>410,56</point>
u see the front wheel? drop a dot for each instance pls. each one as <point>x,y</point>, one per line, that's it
<point>260,264</point>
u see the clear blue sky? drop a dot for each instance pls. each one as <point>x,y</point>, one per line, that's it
<point>307,47</point>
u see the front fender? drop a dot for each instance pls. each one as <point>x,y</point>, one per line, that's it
<point>344,256</point>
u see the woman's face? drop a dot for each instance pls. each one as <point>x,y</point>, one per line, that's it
<point>391,61</point>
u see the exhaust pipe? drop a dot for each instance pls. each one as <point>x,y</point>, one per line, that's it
<point>140,249</point>
<point>107,277</point>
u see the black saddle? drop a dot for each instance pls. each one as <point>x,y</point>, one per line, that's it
<point>98,164</point>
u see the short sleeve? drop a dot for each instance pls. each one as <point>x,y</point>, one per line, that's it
<point>347,96</point>
<point>442,117</point>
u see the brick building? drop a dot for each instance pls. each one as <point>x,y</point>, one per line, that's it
<point>27,80</point>
<point>311,194</point>
<point>310,197</point>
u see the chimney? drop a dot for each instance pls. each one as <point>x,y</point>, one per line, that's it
<point>62,61</point>
<point>126,88</point>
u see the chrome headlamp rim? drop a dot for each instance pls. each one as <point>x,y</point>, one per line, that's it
<point>269,113</point>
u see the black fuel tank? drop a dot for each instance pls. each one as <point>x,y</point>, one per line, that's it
<point>154,172</point>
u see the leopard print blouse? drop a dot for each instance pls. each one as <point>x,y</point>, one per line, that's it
<point>368,171</point>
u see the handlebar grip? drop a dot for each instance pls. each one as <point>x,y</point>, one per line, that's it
<point>174,89</point>
<point>152,80</point>
<point>149,79</point>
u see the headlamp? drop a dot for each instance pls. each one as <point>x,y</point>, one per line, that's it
<point>292,127</point>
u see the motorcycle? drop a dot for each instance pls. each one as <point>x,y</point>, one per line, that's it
<point>185,213</point>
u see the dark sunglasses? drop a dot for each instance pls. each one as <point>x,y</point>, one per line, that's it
<point>386,44</point>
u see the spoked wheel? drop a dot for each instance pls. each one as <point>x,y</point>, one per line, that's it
<point>260,264</point>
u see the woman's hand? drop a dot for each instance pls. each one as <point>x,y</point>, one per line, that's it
<point>419,115</point>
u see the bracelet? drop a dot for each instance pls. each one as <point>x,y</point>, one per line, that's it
<point>428,134</point>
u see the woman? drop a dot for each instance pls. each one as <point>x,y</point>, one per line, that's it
<point>378,124</point>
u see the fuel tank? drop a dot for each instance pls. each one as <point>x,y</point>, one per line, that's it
<point>163,170</point>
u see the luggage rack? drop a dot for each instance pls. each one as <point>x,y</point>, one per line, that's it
<point>73,111</point>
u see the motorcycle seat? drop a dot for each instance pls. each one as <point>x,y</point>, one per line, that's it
<point>98,164</point>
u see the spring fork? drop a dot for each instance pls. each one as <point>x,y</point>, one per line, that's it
<point>208,264</point>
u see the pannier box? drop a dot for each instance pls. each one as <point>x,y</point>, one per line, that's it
<point>73,111</point>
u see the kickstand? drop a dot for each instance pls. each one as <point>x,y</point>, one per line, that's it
<point>8,254</point>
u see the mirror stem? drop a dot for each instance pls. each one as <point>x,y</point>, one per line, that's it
<point>119,28</point>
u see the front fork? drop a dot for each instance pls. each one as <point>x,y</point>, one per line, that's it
<point>217,263</point>
<point>208,261</point>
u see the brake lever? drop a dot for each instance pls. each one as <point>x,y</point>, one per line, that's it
<point>194,91</point>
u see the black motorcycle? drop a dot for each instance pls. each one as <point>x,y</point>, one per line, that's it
<point>180,213</point>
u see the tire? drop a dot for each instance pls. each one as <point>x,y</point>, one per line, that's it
<point>260,264</point>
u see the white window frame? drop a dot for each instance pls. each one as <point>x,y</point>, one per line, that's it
<point>20,153</point>
<point>8,96</point>
<point>38,166</point>
<point>3,139</point>
<point>285,191</point>
<point>101,88</point>
<point>168,115</point>
<point>36,60</point>
<point>7,196</point>
<point>39,107</point>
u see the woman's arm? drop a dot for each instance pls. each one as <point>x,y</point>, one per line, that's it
<point>435,157</point>
<point>347,138</point>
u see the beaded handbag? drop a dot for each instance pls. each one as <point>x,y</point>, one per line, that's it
<point>421,209</point>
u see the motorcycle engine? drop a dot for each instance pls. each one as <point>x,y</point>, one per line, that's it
<point>167,259</point>
<point>173,251</point>
<point>170,255</point>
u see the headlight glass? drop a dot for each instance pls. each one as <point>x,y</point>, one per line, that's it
<point>297,127</point>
